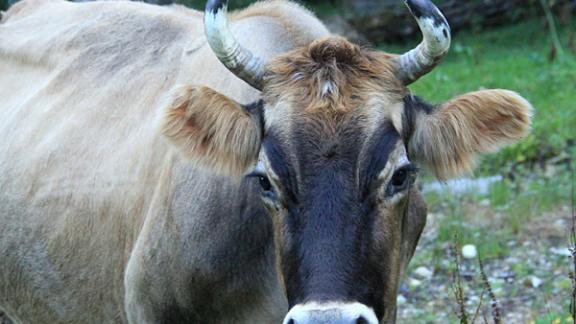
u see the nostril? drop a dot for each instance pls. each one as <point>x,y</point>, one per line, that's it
<point>361,320</point>
<point>291,321</point>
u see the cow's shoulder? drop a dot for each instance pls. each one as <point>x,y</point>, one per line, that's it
<point>302,25</point>
<point>56,32</point>
<point>26,8</point>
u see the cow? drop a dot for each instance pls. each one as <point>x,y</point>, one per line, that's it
<point>158,165</point>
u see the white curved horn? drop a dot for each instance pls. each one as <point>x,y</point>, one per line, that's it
<point>434,46</point>
<point>239,60</point>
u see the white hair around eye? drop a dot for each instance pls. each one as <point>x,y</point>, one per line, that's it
<point>260,168</point>
<point>263,167</point>
<point>403,160</point>
<point>397,159</point>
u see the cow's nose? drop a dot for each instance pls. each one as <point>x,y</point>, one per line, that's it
<point>331,313</point>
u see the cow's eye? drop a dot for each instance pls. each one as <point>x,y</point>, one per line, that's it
<point>399,178</point>
<point>265,183</point>
<point>267,189</point>
<point>402,179</point>
<point>267,193</point>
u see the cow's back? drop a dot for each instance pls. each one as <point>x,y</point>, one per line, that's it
<point>82,164</point>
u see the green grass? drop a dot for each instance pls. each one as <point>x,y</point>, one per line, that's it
<point>515,58</point>
<point>555,318</point>
<point>521,201</point>
<point>517,202</point>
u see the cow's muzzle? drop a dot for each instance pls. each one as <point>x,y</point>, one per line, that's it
<point>331,313</point>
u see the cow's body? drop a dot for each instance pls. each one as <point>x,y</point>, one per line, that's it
<point>100,220</point>
<point>110,203</point>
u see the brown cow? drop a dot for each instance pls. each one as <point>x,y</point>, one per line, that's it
<point>120,203</point>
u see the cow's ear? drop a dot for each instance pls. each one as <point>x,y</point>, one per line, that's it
<point>212,130</point>
<point>449,137</point>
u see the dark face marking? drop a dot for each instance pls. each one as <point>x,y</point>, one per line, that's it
<point>331,244</point>
<point>381,144</point>
<point>413,105</point>
<point>255,110</point>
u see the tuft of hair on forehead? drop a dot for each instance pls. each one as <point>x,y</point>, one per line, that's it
<point>330,74</point>
<point>335,50</point>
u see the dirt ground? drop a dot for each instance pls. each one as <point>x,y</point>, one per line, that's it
<point>531,281</point>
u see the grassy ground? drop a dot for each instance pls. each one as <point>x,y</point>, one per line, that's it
<point>522,239</point>
<point>521,226</point>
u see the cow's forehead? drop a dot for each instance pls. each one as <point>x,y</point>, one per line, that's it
<point>331,82</point>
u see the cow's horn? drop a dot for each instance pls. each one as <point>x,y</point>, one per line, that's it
<point>234,56</point>
<point>435,44</point>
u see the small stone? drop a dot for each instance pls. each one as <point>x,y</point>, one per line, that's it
<point>400,300</point>
<point>474,299</point>
<point>414,283</point>
<point>535,281</point>
<point>513,260</point>
<point>560,223</point>
<point>423,273</point>
<point>469,251</point>
<point>561,251</point>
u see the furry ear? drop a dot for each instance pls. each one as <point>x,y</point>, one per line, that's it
<point>448,138</point>
<point>210,129</point>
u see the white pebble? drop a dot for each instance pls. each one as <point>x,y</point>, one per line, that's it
<point>469,251</point>
<point>535,281</point>
<point>561,251</point>
<point>414,283</point>
<point>400,300</point>
<point>423,273</point>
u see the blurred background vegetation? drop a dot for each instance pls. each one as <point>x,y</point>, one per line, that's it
<point>521,223</point>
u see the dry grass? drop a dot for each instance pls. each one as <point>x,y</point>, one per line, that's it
<point>460,297</point>
<point>488,287</point>
<point>573,247</point>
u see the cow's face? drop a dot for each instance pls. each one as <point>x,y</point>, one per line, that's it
<point>336,143</point>
<point>337,178</point>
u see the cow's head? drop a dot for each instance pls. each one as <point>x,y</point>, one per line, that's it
<point>336,142</point>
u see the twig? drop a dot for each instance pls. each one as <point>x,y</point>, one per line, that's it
<point>458,289</point>
<point>573,246</point>
<point>553,32</point>
<point>493,300</point>
<point>478,308</point>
